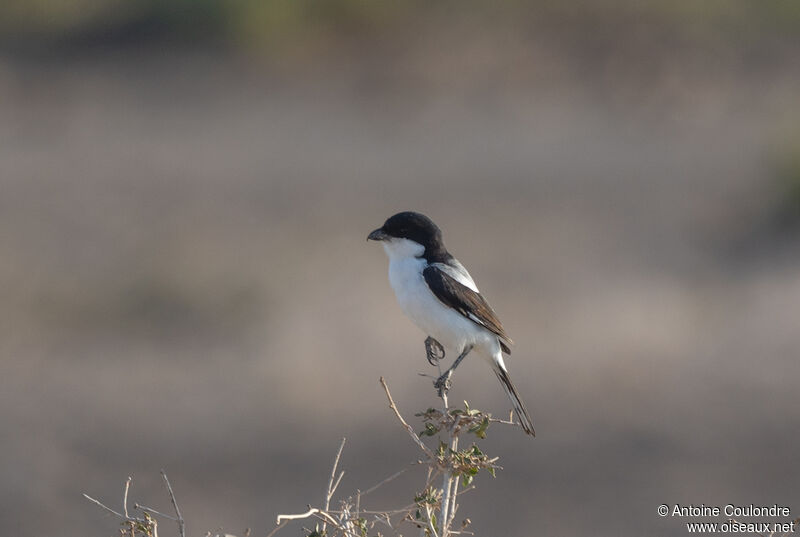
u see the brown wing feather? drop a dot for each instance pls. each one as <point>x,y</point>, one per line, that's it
<point>467,302</point>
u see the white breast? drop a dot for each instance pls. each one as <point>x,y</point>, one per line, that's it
<point>418,302</point>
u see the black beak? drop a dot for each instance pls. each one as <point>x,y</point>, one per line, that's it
<point>377,235</point>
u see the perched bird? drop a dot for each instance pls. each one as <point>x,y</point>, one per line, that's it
<point>437,293</point>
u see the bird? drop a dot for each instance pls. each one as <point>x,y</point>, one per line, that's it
<point>437,293</point>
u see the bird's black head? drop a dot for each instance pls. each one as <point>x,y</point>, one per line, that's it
<point>416,227</point>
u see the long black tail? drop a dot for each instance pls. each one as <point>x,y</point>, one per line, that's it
<point>519,408</point>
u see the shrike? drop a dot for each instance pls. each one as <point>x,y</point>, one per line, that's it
<point>437,293</point>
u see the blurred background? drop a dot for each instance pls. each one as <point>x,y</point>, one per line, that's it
<point>185,191</point>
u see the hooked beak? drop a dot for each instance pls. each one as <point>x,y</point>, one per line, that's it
<point>377,235</point>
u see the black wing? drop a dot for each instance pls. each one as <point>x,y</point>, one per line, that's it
<point>467,302</point>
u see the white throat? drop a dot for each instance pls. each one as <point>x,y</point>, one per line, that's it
<point>397,249</point>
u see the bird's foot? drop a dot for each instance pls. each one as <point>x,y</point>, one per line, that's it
<point>442,384</point>
<point>433,350</point>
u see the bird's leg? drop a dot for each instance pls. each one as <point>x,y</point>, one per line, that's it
<point>443,383</point>
<point>434,351</point>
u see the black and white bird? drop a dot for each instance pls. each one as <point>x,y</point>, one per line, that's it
<point>437,293</point>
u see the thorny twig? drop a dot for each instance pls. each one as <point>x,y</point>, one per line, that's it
<point>349,520</point>
<point>181,524</point>
<point>312,511</point>
<point>411,432</point>
<point>448,476</point>
<point>103,506</point>
<point>153,511</point>
<point>125,496</point>
<point>146,525</point>
<point>331,485</point>
<point>390,478</point>
<point>277,528</point>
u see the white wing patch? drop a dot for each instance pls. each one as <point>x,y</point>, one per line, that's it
<point>456,270</point>
<point>476,319</point>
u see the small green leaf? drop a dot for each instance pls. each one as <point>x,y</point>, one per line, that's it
<point>480,428</point>
<point>362,526</point>
<point>430,430</point>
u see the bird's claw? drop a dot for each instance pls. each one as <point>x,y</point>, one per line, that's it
<point>443,383</point>
<point>433,350</point>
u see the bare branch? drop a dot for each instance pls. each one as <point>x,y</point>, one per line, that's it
<point>312,512</point>
<point>468,489</point>
<point>336,485</point>
<point>390,478</point>
<point>504,422</point>
<point>447,487</point>
<point>153,511</point>
<point>131,521</point>
<point>307,514</point>
<point>325,517</point>
<point>383,512</point>
<point>125,497</point>
<point>331,485</point>
<point>453,504</point>
<point>103,506</point>
<point>411,432</point>
<point>181,524</point>
<point>430,521</point>
<point>277,529</point>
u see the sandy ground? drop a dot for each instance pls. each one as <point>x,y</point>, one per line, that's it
<point>184,284</point>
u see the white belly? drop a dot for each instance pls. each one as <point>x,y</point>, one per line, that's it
<point>442,323</point>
